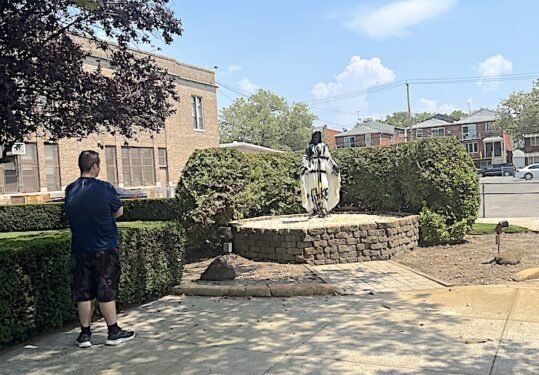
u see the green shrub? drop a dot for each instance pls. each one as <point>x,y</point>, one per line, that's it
<point>32,217</point>
<point>34,274</point>
<point>435,174</point>
<point>215,188</point>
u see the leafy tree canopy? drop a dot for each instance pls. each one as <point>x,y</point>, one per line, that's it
<point>44,86</point>
<point>267,119</point>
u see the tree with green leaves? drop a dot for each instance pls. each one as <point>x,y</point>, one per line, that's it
<point>44,86</point>
<point>519,114</point>
<point>266,119</point>
<point>402,120</point>
<point>457,114</point>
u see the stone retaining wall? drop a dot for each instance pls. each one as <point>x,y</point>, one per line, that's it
<point>328,245</point>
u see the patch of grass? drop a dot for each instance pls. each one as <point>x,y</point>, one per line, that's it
<point>482,228</point>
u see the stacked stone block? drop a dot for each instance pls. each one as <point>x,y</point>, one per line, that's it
<point>328,245</point>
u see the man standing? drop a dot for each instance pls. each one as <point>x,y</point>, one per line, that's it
<point>92,206</point>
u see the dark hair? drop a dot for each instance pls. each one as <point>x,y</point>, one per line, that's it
<point>316,138</point>
<point>87,159</point>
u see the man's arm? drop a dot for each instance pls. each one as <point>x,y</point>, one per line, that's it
<point>118,213</point>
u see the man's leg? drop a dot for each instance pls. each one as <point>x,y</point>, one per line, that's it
<point>108,309</point>
<point>86,312</point>
<point>107,290</point>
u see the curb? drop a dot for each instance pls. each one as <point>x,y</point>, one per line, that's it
<point>262,290</point>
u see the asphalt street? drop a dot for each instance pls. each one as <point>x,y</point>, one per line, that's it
<point>506,197</point>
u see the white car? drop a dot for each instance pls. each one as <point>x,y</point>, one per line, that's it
<point>528,172</point>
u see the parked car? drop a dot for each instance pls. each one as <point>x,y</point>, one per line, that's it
<point>122,194</point>
<point>528,172</point>
<point>506,169</point>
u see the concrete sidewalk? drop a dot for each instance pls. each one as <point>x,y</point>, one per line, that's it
<point>532,223</point>
<point>465,330</point>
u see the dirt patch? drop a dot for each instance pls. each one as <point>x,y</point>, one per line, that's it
<point>464,264</point>
<point>249,272</point>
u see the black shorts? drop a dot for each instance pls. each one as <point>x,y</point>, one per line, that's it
<point>95,275</point>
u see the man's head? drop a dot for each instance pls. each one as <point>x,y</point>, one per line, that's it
<point>89,163</point>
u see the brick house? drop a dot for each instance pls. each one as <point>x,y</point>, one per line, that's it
<point>328,135</point>
<point>151,163</point>
<point>531,148</point>
<point>476,133</point>
<point>372,133</point>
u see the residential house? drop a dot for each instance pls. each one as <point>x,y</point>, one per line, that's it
<point>370,133</point>
<point>248,148</point>
<point>151,163</point>
<point>531,148</point>
<point>476,133</point>
<point>328,135</point>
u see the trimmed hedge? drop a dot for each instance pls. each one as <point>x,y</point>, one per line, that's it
<point>434,177</point>
<point>34,274</point>
<point>49,216</point>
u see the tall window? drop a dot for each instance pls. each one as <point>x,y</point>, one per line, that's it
<point>469,132</point>
<point>497,149</point>
<point>163,163</point>
<point>438,132</point>
<point>368,139</point>
<point>488,147</point>
<point>534,141</point>
<point>138,166</point>
<point>112,164</point>
<point>419,133</point>
<point>198,122</point>
<point>52,164</point>
<point>29,169</point>
<point>488,128</point>
<point>472,147</point>
<point>349,142</point>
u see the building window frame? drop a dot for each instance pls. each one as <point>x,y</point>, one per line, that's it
<point>368,139</point>
<point>55,167</point>
<point>472,148</point>
<point>489,127</point>
<point>419,133</point>
<point>349,141</point>
<point>469,134</point>
<point>534,141</point>
<point>111,160</point>
<point>435,132</point>
<point>197,109</point>
<point>132,157</point>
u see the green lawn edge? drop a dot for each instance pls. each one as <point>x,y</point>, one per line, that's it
<point>483,228</point>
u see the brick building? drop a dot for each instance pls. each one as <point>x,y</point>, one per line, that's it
<point>476,132</point>
<point>371,133</point>
<point>151,163</point>
<point>328,135</point>
<point>531,148</point>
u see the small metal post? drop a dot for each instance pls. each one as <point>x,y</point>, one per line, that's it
<point>483,196</point>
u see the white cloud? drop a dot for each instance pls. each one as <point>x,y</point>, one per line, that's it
<point>432,106</point>
<point>492,67</point>
<point>359,74</point>
<point>396,18</point>
<point>233,68</point>
<point>247,86</point>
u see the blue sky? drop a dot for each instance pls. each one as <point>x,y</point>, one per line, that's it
<point>313,51</point>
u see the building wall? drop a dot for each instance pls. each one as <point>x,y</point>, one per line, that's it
<point>531,151</point>
<point>178,137</point>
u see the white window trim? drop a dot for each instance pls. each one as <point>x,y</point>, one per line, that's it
<point>534,141</point>
<point>418,132</point>
<point>349,144</point>
<point>194,102</point>
<point>369,142</point>
<point>468,132</point>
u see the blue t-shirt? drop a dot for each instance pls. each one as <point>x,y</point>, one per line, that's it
<point>89,206</point>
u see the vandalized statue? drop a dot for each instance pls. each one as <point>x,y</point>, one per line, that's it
<point>320,178</point>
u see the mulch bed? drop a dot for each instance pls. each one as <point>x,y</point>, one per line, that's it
<point>249,272</point>
<point>463,264</point>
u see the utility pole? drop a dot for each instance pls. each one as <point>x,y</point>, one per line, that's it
<point>407,131</point>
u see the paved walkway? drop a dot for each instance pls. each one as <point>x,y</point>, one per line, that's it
<point>466,330</point>
<point>378,276</point>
